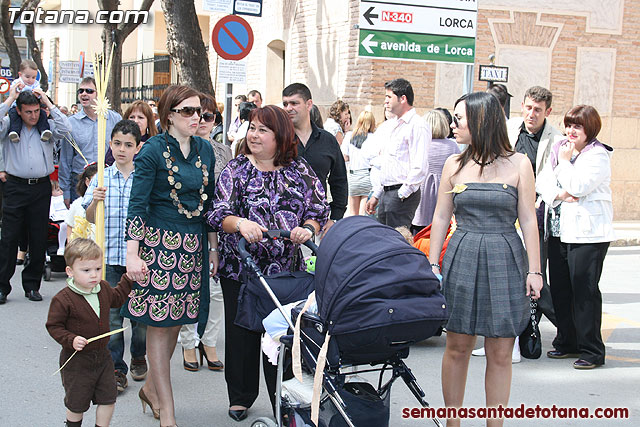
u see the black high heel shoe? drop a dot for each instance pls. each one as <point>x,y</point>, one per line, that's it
<point>216,365</point>
<point>238,414</point>
<point>190,366</point>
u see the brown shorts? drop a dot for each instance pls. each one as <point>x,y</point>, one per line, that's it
<point>88,377</point>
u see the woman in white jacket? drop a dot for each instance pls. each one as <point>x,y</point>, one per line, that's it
<point>575,185</point>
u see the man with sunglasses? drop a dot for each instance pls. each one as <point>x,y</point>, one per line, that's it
<point>25,168</point>
<point>84,131</point>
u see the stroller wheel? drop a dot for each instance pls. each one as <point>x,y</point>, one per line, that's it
<point>46,274</point>
<point>264,422</point>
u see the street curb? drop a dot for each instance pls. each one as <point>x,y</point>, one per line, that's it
<point>625,242</point>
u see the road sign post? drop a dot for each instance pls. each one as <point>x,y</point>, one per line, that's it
<point>232,39</point>
<point>419,30</point>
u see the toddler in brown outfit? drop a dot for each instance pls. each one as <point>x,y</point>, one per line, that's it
<point>78,312</point>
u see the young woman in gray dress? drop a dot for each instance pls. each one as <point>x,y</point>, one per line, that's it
<point>487,276</point>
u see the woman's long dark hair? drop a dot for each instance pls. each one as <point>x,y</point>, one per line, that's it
<point>488,128</point>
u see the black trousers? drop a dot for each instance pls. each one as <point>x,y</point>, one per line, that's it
<point>395,212</point>
<point>574,274</point>
<point>242,355</point>
<point>545,302</point>
<point>24,207</point>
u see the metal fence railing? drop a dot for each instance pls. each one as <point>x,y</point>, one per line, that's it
<point>147,78</point>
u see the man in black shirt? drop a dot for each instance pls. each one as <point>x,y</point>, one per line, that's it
<point>319,148</point>
<point>533,135</point>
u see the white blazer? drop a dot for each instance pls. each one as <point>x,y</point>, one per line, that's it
<point>590,220</point>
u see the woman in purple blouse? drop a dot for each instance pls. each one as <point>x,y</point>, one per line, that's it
<point>268,187</point>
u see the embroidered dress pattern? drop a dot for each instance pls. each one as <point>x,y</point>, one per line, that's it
<point>171,243</point>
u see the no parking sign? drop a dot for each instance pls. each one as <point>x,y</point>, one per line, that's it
<point>232,38</point>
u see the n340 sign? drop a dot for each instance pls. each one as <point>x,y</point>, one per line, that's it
<point>406,18</point>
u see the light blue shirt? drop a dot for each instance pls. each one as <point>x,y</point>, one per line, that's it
<point>85,133</point>
<point>30,157</point>
<point>116,204</point>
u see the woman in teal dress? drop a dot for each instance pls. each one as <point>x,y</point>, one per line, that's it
<point>167,239</point>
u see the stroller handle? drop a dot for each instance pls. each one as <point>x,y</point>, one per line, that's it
<point>272,235</point>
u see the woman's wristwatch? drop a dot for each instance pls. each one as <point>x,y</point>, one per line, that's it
<point>311,228</point>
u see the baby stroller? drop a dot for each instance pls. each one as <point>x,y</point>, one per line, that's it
<point>53,261</point>
<point>376,297</point>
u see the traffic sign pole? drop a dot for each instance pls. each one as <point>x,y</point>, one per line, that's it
<point>232,39</point>
<point>228,105</point>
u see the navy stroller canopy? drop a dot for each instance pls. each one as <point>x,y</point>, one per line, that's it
<point>368,276</point>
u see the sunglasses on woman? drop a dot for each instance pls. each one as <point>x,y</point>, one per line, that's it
<point>187,111</point>
<point>84,89</point>
<point>208,117</point>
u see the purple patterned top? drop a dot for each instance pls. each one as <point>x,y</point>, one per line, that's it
<point>281,199</point>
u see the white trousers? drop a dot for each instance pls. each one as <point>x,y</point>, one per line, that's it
<point>188,334</point>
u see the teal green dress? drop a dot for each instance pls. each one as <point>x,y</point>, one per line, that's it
<point>174,246</point>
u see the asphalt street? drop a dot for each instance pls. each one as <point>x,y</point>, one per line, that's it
<point>33,397</point>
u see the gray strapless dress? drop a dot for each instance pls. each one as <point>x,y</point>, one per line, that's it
<point>484,268</point>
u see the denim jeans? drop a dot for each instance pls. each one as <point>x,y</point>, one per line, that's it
<point>138,330</point>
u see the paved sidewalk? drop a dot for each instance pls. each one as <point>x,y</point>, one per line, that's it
<point>627,233</point>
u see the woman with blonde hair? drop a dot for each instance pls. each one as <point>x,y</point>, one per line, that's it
<point>359,167</point>
<point>439,151</point>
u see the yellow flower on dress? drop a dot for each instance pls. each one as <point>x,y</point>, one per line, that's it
<point>458,188</point>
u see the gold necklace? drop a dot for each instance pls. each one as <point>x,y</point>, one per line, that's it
<point>178,185</point>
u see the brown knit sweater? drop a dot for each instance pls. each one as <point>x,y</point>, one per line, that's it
<point>71,315</point>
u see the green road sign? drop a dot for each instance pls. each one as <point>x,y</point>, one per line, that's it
<point>417,47</point>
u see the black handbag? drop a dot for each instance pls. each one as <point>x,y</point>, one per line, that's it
<point>530,342</point>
